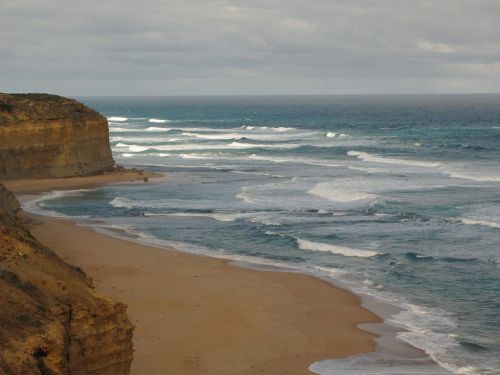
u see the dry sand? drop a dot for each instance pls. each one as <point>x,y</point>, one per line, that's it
<point>201,315</point>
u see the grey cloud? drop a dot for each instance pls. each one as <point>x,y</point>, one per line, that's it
<point>261,46</point>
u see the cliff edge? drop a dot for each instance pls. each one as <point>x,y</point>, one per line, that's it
<point>52,321</point>
<point>45,135</point>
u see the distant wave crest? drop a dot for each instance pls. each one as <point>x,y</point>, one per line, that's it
<point>158,121</point>
<point>117,119</point>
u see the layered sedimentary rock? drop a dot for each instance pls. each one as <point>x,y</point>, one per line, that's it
<point>52,321</point>
<point>45,135</point>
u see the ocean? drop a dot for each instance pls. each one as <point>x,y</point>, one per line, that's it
<point>394,197</point>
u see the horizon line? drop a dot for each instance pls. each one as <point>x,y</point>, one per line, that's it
<point>296,95</point>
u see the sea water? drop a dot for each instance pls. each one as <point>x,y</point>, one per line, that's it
<point>397,197</point>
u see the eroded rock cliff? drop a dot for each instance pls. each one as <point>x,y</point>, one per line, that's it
<point>52,321</point>
<point>45,135</point>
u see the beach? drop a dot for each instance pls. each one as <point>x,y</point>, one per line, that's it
<point>194,314</point>
<point>40,185</point>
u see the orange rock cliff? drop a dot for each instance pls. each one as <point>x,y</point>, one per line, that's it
<point>52,320</point>
<point>45,135</point>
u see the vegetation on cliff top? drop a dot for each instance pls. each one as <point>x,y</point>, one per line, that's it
<point>16,108</point>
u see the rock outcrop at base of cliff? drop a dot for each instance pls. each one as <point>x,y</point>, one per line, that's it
<point>52,321</point>
<point>45,135</point>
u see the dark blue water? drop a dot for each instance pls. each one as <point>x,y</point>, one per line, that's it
<point>396,196</point>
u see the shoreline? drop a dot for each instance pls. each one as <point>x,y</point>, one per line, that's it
<point>329,337</point>
<point>22,187</point>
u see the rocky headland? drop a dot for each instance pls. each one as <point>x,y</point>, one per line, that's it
<point>45,135</point>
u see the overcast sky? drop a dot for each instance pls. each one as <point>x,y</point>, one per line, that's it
<point>186,47</point>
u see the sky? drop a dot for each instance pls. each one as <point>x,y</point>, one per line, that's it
<point>240,47</point>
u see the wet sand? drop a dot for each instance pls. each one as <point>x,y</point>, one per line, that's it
<point>39,185</point>
<point>201,315</point>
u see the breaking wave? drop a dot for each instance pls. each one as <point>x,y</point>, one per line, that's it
<point>335,249</point>
<point>382,159</point>
<point>334,194</point>
<point>486,223</point>
<point>120,202</point>
<point>470,176</point>
<point>157,121</point>
<point>118,119</point>
<point>156,129</point>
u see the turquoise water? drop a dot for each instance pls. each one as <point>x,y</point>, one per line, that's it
<point>398,197</point>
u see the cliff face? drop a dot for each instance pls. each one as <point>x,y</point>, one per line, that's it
<point>50,136</point>
<point>52,321</point>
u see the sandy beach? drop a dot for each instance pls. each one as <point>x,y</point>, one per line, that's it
<point>201,315</point>
<point>40,185</point>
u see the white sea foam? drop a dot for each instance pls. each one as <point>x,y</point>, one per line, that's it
<point>254,136</point>
<point>331,135</point>
<point>271,146</point>
<point>377,363</point>
<point>157,129</point>
<point>425,329</point>
<point>274,129</point>
<point>118,119</point>
<point>127,155</point>
<point>198,146</point>
<point>145,140</point>
<point>195,156</point>
<point>271,233</point>
<point>259,174</point>
<point>335,249</point>
<point>254,217</point>
<point>368,170</point>
<point>245,196</point>
<point>157,121</point>
<point>382,159</point>
<point>271,219</point>
<point>214,136</point>
<point>219,216</point>
<point>136,148</point>
<point>223,217</point>
<point>207,156</point>
<point>124,130</point>
<point>250,196</point>
<point>329,191</point>
<point>283,159</point>
<point>121,129</point>
<point>471,175</point>
<point>120,202</point>
<point>487,223</point>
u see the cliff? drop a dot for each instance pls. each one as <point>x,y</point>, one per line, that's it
<point>45,135</point>
<point>52,321</point>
